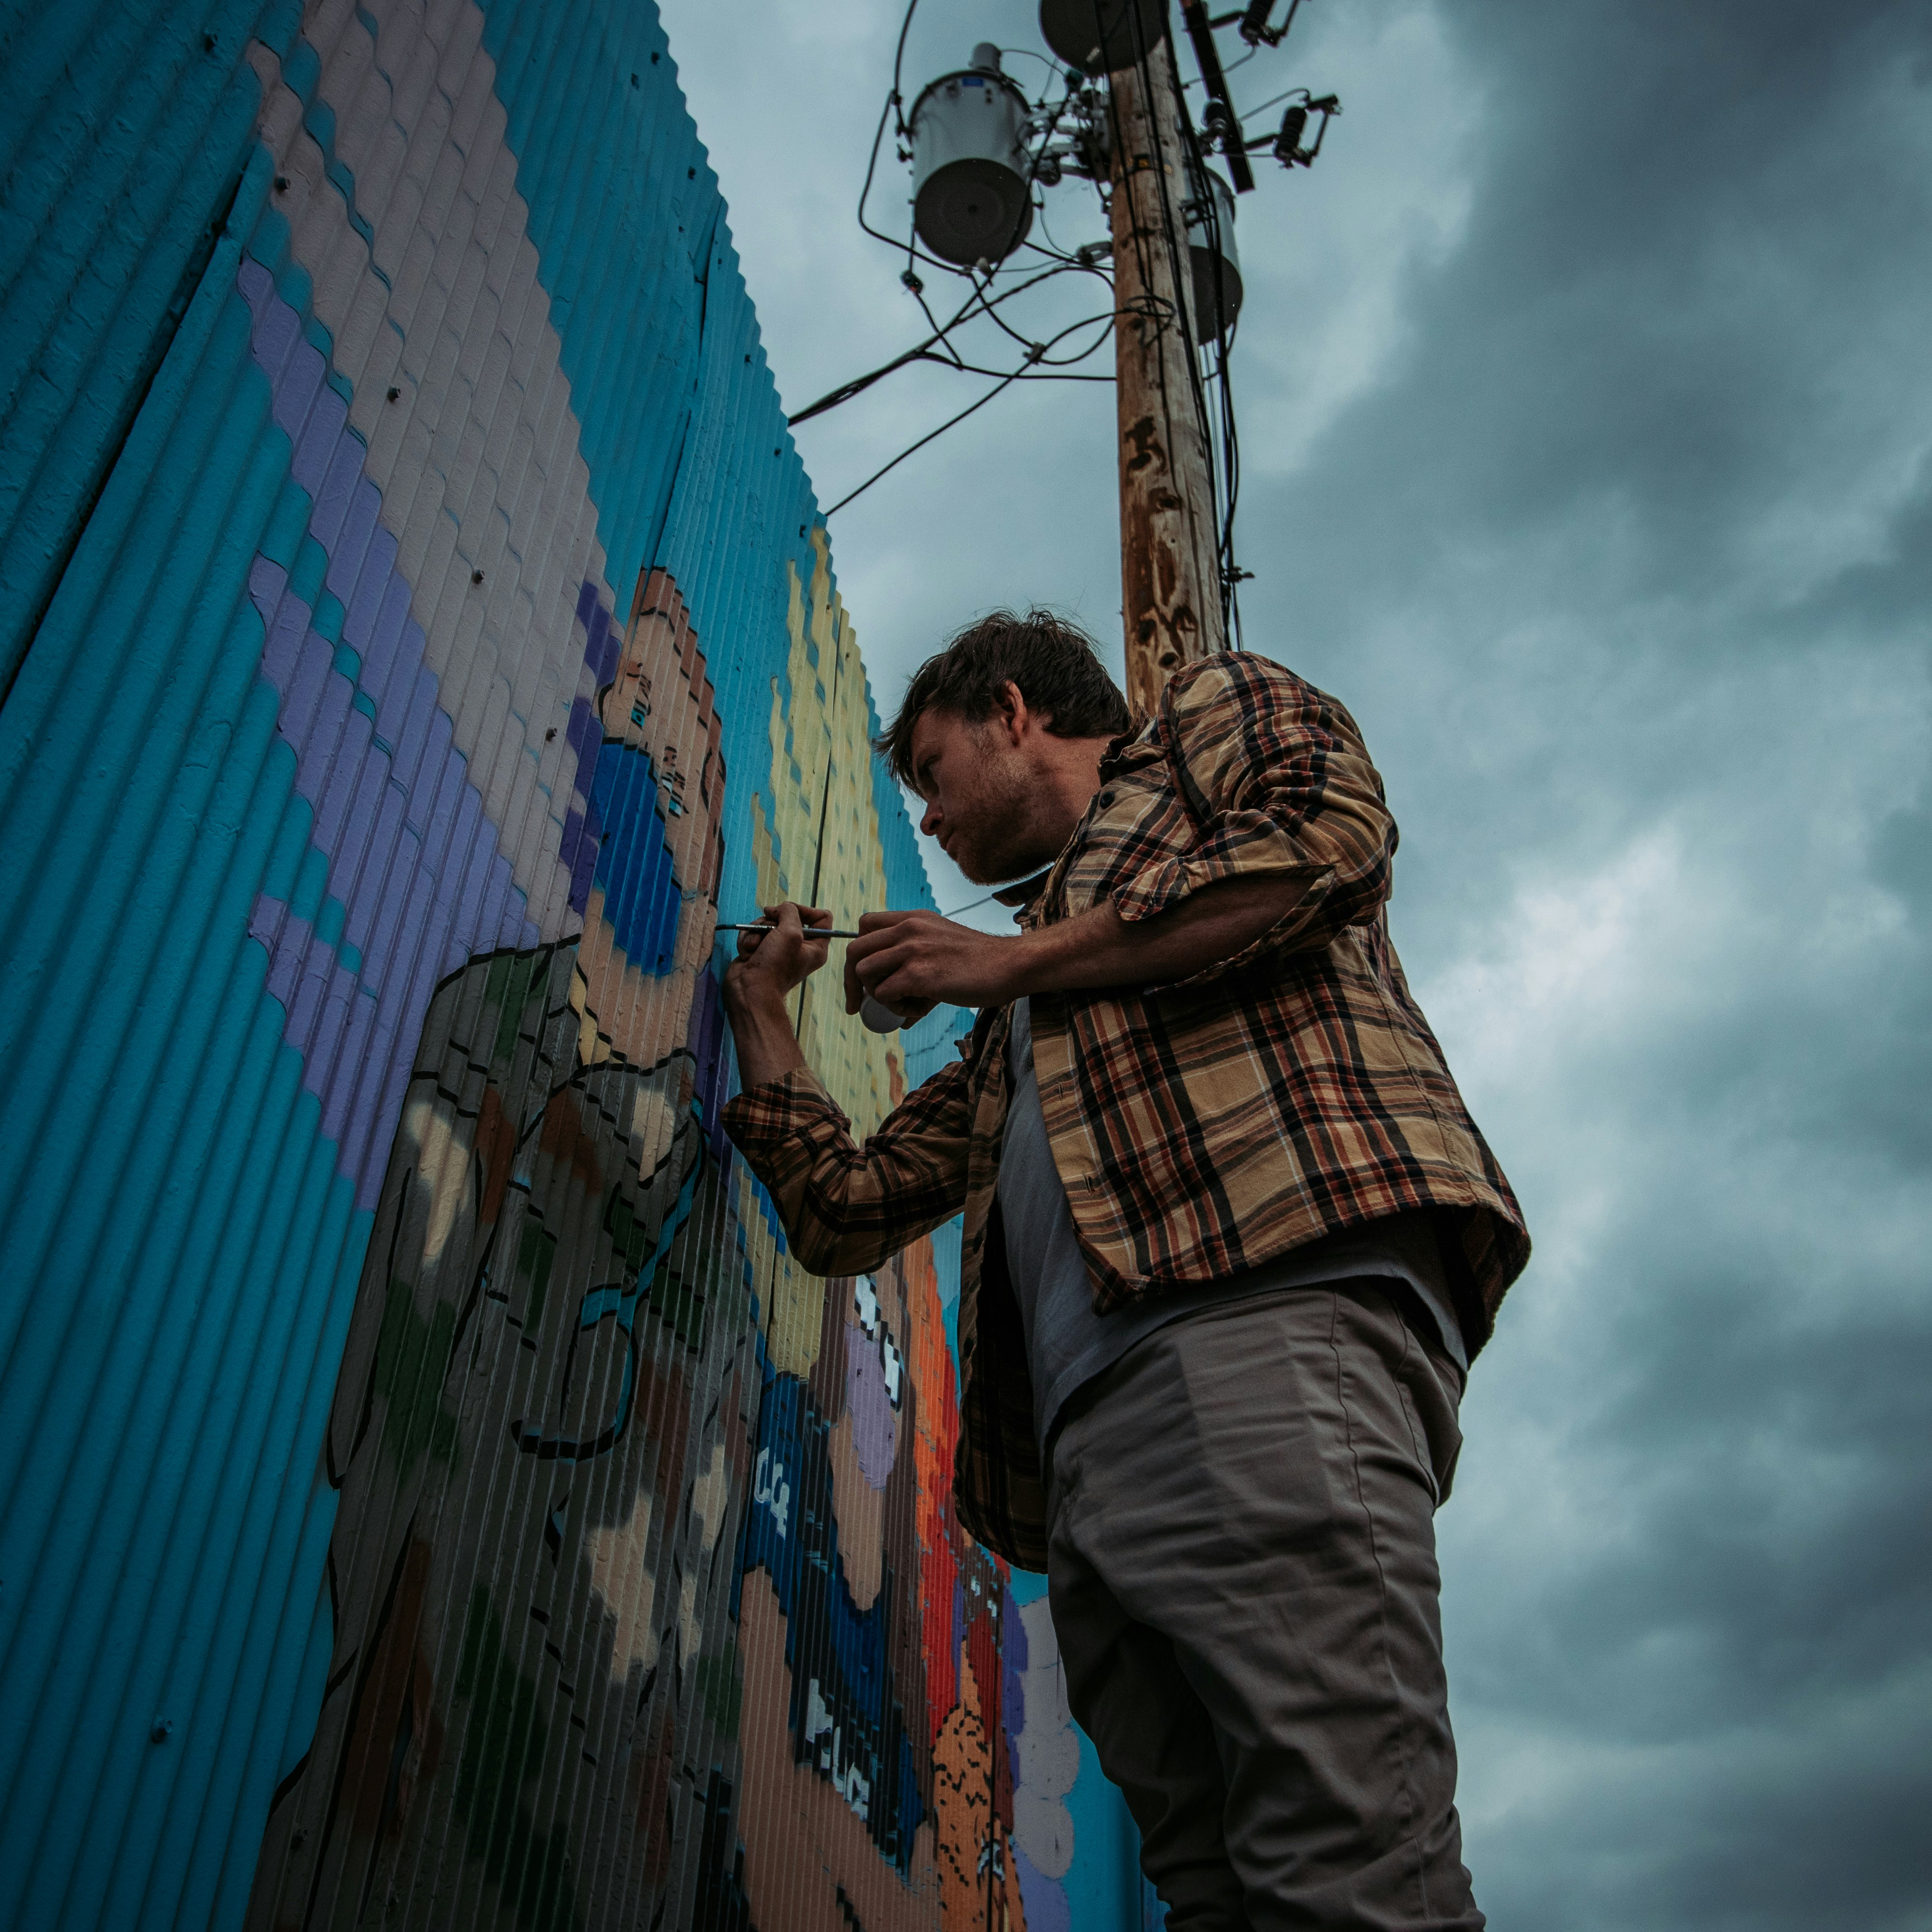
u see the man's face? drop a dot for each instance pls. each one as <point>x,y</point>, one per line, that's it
<point>983,803</point>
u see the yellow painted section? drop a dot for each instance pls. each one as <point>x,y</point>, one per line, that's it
<point>827,724</point>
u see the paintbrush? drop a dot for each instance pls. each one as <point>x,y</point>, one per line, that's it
<point>810,931</point>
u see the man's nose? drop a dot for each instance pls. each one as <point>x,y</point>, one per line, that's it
<point>929,824</point>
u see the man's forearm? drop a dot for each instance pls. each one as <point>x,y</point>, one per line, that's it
<point>761,1030</point>
<point>912,960</point>
<point>1100,948</point>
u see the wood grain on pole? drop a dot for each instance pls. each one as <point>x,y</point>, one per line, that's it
<point>1170,584</point>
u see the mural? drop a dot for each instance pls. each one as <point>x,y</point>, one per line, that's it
<point>443,1501</point>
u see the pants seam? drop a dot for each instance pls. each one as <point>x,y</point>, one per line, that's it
<point>1405,1750</point>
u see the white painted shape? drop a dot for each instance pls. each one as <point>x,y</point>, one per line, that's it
<point>431,1126</point>
<point>710,1496</point>
<point>621,1576</point>
<point>1047,1757</point>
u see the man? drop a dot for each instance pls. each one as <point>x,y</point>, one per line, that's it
<point>1230,1238</point>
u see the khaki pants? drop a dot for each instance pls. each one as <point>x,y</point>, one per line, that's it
<point>1243,1583</point>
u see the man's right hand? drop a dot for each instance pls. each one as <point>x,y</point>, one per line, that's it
<point>757,983</point>
<point>769,965</point>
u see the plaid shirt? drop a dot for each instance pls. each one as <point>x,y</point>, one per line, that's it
<point>1201,1127</point>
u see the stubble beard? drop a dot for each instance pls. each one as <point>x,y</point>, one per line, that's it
<point>999,838</point>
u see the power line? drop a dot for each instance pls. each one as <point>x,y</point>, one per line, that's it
<point>975,305</point>
<point>1005,383</point>
<point>892,100</point>
<point>1230,446</point>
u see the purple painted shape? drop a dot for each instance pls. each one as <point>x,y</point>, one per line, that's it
<point>582,733</point>
<point>388,841</point>
<point>583,859</point>
<point>379,628</point>
<point>1047,1908</point>
<point>319,455</point>
<point>603,640</point>
<point>1012,1668</point>
<point>362,607</point>
<point>286,623</point>
<point>351,550</point>
<point>706,1043</point>
<point>423,745</point>
<point>874,1426</point>
<point>412,854</point>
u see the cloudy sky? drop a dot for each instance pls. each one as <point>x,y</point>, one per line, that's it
<point>1585,408</point>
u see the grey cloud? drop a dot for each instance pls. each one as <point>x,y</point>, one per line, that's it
<point>1687,223</point>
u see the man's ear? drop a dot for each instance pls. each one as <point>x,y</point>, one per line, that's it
<point>1011,714</point>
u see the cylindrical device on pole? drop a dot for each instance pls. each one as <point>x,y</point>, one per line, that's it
<point>1217,289</point>
<point>1099,36</point>
<point>972,182</point>
<point>1170,572</point>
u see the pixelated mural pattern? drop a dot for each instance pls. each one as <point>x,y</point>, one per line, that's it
<point>446,1500</point>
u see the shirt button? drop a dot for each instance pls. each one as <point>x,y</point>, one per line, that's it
<point>1106,799</point>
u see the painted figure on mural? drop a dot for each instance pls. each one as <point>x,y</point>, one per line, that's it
<point>650,1595</point>
<point>540,1430</point>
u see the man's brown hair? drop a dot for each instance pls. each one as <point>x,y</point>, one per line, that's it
<point>1055,663</point>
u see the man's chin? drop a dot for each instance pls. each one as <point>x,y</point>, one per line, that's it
<point>1002,868</point>
<point>984,868</point>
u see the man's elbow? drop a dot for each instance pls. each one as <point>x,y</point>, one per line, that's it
<point>815,1248</point>
<point>825,1244</point>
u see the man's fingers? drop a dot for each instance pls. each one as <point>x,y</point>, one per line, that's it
<point>893,971</point>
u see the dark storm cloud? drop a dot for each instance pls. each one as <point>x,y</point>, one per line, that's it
<point>1893,588</point>
<point>1691,225</point>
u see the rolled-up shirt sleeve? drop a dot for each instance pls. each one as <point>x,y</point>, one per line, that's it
<point>1280,785</point>
<point>847,1208</point>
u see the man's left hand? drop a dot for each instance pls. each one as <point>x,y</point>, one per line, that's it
<point>912,961</point>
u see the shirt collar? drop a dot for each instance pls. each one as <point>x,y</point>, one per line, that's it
<point>1020,896</point>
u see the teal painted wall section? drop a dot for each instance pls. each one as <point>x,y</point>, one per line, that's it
<point>122,133</point>
<point>439,1493</point>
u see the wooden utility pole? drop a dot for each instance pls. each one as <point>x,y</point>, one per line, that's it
<point>1170,576</point>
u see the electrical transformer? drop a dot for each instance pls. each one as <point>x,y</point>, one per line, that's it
<point>1217,301</point>
<point>972,177</point>
<point>1098,36</point>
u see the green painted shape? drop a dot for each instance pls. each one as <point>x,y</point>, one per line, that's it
<point>679,1303</point>
<point>536,1253</point>
<point>631,1239</point>
<point>412,1357</point>
<point>514,979</point>
<point>502,1750</point>
<point>722,1689</point>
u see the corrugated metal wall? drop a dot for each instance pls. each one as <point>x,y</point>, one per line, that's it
<point>438,1497</point>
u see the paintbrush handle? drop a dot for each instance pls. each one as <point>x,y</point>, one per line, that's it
<point>812,931</point>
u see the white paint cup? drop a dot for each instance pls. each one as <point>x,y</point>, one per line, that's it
<point>879,1017</point>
